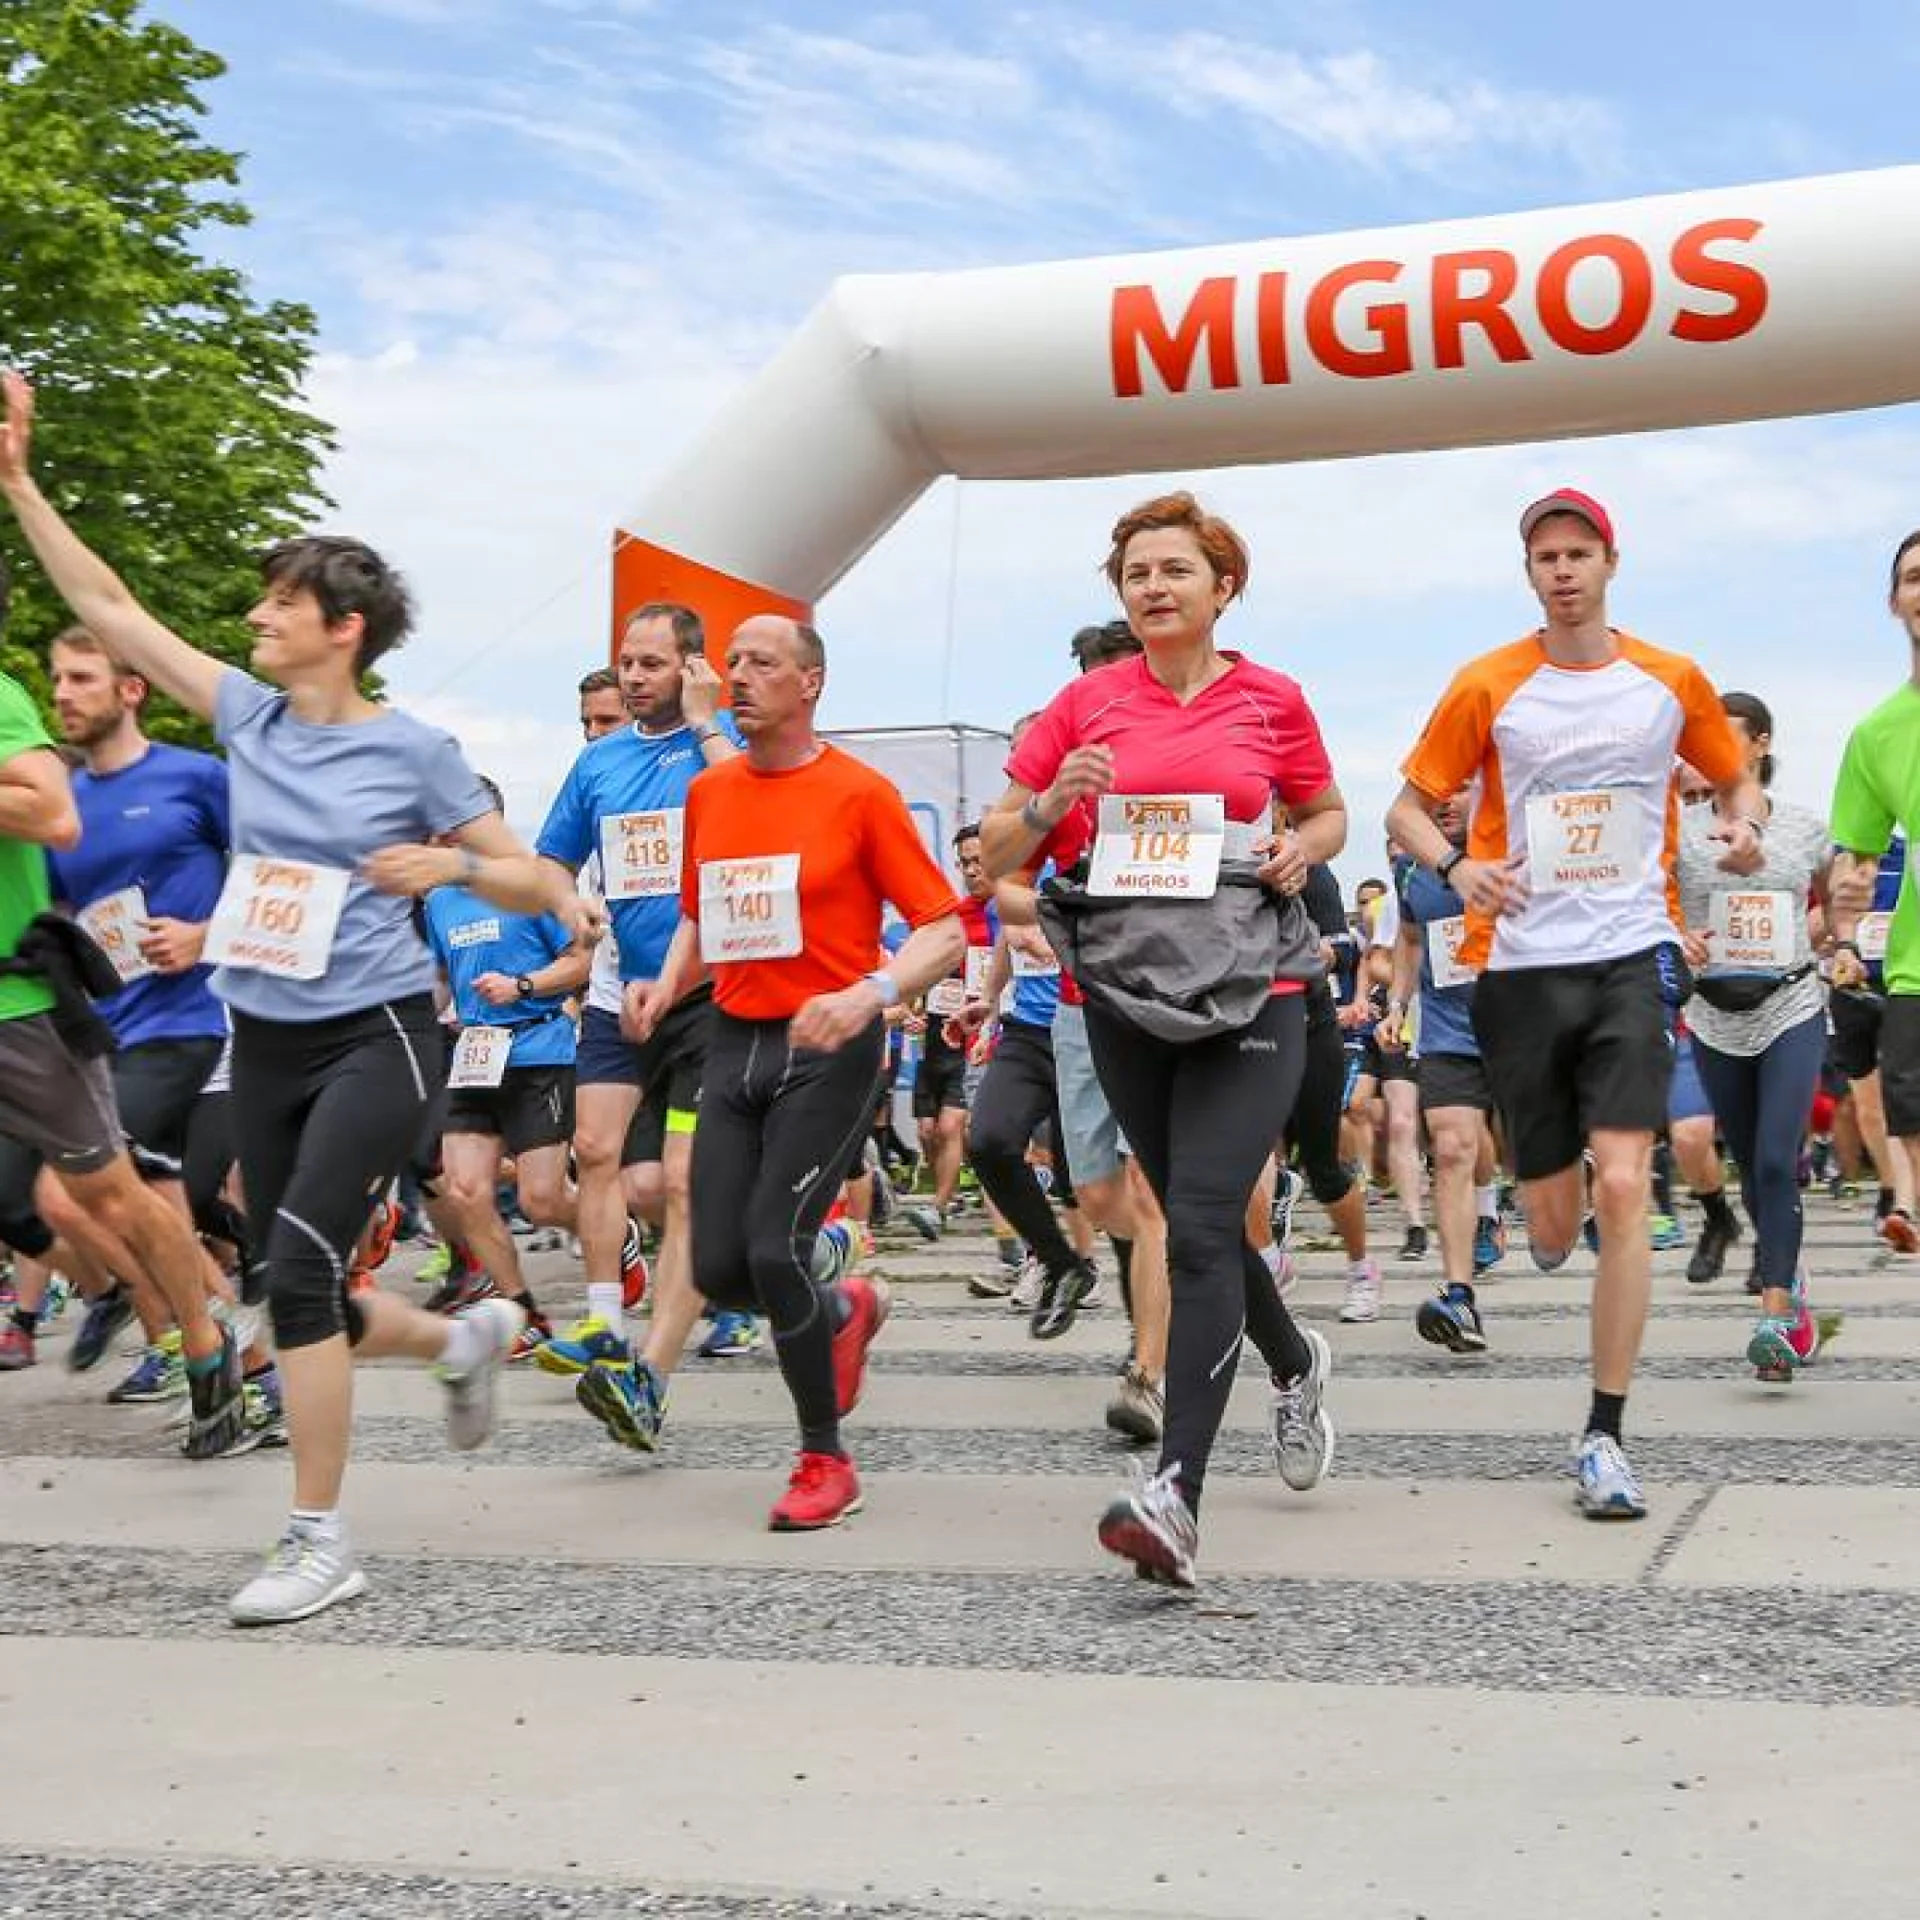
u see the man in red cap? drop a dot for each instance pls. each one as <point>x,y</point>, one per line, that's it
<point>1567,876</point>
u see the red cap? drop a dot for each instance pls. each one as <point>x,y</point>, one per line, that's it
<point>1568,500</point>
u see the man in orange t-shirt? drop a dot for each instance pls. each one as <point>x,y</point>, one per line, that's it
<point>792,851</point>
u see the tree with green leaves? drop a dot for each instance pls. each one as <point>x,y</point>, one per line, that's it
<point>173,435</point>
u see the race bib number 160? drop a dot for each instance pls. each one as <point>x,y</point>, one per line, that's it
<point>277,916</point>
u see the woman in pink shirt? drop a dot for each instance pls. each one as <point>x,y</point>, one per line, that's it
<point>1154,771</point>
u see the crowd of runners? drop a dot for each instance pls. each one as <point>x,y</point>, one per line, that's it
<point>262,1011</point>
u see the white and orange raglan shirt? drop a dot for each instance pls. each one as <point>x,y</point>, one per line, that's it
<point>1575,766</point>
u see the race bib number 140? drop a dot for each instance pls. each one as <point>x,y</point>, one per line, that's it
<point>750,909</point>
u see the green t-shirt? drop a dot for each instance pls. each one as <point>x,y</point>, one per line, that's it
<point>23,866</point>
<point>1878,789</point>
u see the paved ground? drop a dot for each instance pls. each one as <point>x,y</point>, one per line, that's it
<point>589,1684</point>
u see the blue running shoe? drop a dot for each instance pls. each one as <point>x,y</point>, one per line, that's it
<point>629,1400</point>
<point>53,1303</point>
<point>1607,1488</point>
<point>1451,1320</point>
<point>1489,1243</point>
<point>159,1374</point>
<point>1665,1234</point>
<point>587,1343</point>
<point>99,1329</point>
<point>733,1333</point>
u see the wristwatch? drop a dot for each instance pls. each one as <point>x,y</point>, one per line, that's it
<point>1444,871</point>
<point>705,731</point>
<point>523,985</point>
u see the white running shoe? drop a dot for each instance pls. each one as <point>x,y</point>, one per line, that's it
<point>1152,1525</point>
<point>1362,1304</point>
<point>1026,1288</point>
<point>304,1574</point>
<point>1303,1436</point>
<point>1607,1487</point>
<point>473,1392</point>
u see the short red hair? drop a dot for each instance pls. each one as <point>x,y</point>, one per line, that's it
<point>1226,553</point>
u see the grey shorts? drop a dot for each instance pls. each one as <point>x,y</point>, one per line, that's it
<point>1094,1142</point>
<point>60,1106</point>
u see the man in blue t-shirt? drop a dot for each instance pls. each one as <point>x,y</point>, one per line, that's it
<point>625,800</point>
<point>143,880</point>
<point>510,1088</point>
<point>1456,1100</point>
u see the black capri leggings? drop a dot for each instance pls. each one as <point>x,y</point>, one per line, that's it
<point>777,1125</point>
<point>324,1112</point>
<point>1202,1118</point>
<point>1018,1093</point>
<point>1315,1125</point>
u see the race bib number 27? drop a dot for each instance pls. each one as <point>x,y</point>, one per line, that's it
<point>1577,840</point>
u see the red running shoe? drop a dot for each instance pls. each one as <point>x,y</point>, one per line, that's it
<point>868,1302</point>
<point>1899,1232</point>
<point>823,1491</point>
<point>634,1277</point>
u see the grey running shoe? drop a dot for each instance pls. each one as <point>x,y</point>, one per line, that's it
<point>471,1394</point>
<point>1138,1408</point>
<point>217,1403</point>
<point>304,1574</point>
<point>1303,1436</point>
<point>990,1282</point>
<point>1062,1294</point>
<point>1152,1525</point>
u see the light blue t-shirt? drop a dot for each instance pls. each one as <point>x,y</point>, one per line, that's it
<point>472,937</point>
<point>628,772</point>
<point>330,796</point>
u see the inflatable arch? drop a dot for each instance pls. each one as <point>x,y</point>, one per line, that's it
<point>1796,297</point>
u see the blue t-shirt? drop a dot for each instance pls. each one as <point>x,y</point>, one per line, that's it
<point>628,772</point>
<point>330,796</point>
<point>159,825</point>
<point>1036,998</point>
<point>471,938</point>
<point>1446,1013</point>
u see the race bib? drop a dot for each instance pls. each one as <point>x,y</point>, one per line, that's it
<point>1444,941</point>
<point>979,965</point>
<point>640,853</point>
<point>1870,936</point>
<point>945,998</point>
<point>1589,839</point>
<point>750,909</point>
<point>114,922</point>
<point>1025,967</point>
<point>1750,929</point>
<point>480,1057</point>
<point>277,917</point>
<point>1158,846</point>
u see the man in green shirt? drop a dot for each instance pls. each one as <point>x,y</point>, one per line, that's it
<point>62,1106</point>
<point>1879,789</point>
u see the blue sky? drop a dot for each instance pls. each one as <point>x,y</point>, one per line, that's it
<point>547,240</point>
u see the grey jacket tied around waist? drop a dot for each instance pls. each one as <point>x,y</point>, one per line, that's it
<point>1182,969</point>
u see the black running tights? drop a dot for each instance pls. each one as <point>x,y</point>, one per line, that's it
<point>1202,1118</point>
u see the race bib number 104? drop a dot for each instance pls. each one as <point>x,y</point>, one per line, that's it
<point>1164,845</point>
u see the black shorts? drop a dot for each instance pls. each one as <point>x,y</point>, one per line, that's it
<point>1900,1064</point>
<point>1571,1048</point>
<point>941,1081</point>
<point>668,1065</point>
<point>1454,1080</point>
<point>1382,1065</point>
<point>531,1107</point>
<point>1855,1046</point>
<point>155,1085</point>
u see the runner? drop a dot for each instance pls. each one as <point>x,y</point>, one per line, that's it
<point>1567,881</point>
<point>1876,791</point>
<point>625,801</point>
<point>327,980</point>
<point>1169,769</point>
<point>1456,1101</point>
<point>941,1092</point>
<point>1388,1074</point>
<point>792,852</point>
<point>1758,1020</point>
<point>510,1089</point>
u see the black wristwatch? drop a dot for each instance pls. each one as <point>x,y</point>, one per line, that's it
<point>523,986</point>
<point>1444,871</point>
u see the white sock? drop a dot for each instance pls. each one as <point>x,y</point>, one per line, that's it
<point>604,1302</point>
<point>1486,1202</point>
<point>467,1345</point>
<point>1275,1257</point>
<point>322,1523</point>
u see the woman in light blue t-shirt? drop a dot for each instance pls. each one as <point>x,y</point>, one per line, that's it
<point>336,1061</point>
